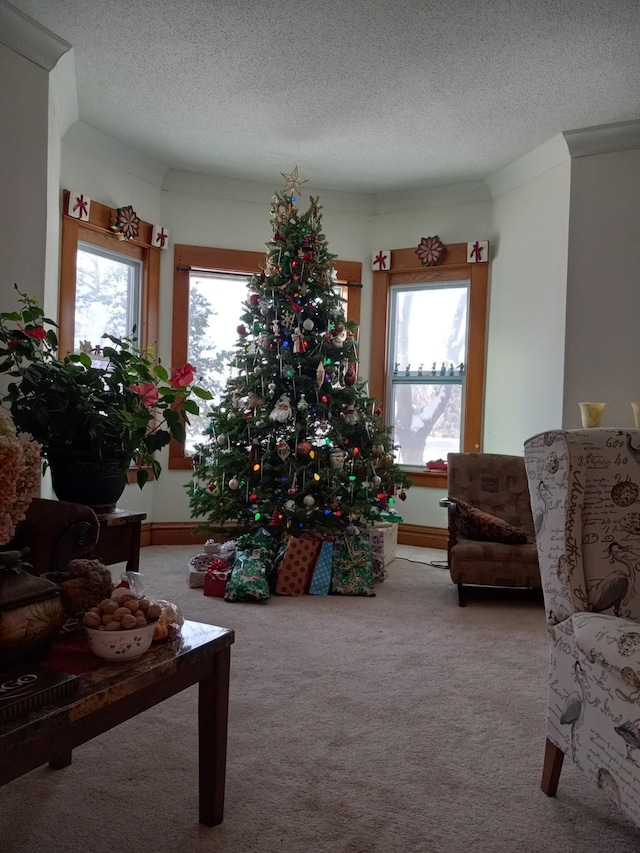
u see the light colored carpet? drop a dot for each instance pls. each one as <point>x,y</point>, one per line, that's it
<point>357,725</point>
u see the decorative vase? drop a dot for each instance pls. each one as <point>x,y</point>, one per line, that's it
<point>636,414</point>
<point>31,615</point>
<point>591,414</point>
<point>82,477</point>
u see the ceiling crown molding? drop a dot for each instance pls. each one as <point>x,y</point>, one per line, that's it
<point>30,39</point>
<point>603,138</point>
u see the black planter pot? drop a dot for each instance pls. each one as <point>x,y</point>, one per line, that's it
<point>81,477</point>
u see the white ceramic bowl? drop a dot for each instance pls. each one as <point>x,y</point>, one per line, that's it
<point>121,645</point>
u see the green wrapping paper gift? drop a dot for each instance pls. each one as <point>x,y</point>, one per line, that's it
<point>252,565</point>
<point>352,567</point>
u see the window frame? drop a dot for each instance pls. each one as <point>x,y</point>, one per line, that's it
<point>96,231</point>
<point>189,259</point>
<point>405,269</point>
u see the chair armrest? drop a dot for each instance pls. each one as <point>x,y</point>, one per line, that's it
<point>55,533</point>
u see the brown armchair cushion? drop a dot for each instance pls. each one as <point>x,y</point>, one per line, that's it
<point>473,523</point>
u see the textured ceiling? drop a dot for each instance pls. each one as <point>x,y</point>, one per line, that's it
<point>363,95</point>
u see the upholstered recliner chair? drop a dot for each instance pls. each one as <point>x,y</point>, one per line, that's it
<point>585,494</point>
<point>491,536</point>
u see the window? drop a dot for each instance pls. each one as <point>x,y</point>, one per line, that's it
<point>209,287</point>
<point>88,246</point>
<point>103,279</point>
<point>429,375</point>
<point>215,308</point>
<point>425,372</point>
<point>107,295</point>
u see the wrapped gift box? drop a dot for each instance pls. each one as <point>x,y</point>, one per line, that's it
<point>321,580</point>
<point>215,582</point>
<point>383,537</point>
<point>198,565</point>
<point>298,563</point>
<point>352,568</point>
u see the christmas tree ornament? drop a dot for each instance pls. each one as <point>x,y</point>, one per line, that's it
<point>234,484</point>
<point>221,440</point>
<point>350,376</point>
<point>272,387</point>
<point>282,411</point>
<point>308,500</point>
<point>241,330</point>
<point>336,459</point>
<point>283,450</point>
<point>376,480</point>
<point>320,375</point>
<point>308,324</point>
<point>303,449</point>
<point>254,451</point>
<point>351,415</point>
<point>293,182</point>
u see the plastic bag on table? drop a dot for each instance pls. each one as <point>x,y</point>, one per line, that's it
<point>170,620</point>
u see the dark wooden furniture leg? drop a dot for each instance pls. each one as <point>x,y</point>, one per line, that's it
<point>553,758</point>
<point>213,709</point>
<point>461,599</point>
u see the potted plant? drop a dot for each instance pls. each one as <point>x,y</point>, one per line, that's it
<point>112,410</point>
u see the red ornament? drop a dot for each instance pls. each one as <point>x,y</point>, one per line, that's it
<point>303,448</point>
<point>403,495</point>
<point>254,299</point>
<point>350,376</point>
<point>241,330</point>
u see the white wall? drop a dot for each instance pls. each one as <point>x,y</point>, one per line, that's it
<point>525,352</point>
<point>603,291</point>
<point>24,132</point>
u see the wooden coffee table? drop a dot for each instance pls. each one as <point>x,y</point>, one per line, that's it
<point>114,692</point>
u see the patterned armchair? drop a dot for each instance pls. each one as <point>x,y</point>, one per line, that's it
<point>491,536</point>
<point>585,494</point>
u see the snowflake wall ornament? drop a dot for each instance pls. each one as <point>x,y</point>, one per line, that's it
<point>430,251</point>
<point>126,223</point>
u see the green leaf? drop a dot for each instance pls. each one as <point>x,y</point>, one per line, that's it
<point>202,393</point>
<point>161,372</point>
<point>191,406</point>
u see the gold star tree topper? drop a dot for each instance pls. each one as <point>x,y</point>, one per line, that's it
<point>293,181</point>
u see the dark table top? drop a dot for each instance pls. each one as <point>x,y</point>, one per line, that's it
<point>102,683</point>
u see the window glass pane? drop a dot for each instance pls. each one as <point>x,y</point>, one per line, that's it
<point>427,421</point>
<point>428,340</point>
<point>429,326</point>
<point>107,295</point>
<point>215,309</point>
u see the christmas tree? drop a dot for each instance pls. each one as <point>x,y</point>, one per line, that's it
<point>296,442</point>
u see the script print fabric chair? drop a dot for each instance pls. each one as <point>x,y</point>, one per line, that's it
<point>585,495</point>
<point>490,526</point>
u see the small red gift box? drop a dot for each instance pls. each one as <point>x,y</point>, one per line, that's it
<point>215,579</point>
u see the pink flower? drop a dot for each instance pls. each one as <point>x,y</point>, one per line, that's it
<point>182,376</point>
<point>148,393</point>
<point>37,332</point>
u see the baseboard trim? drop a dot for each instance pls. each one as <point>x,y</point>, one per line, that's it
<point>186,533</point>
<point>422,536</point>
